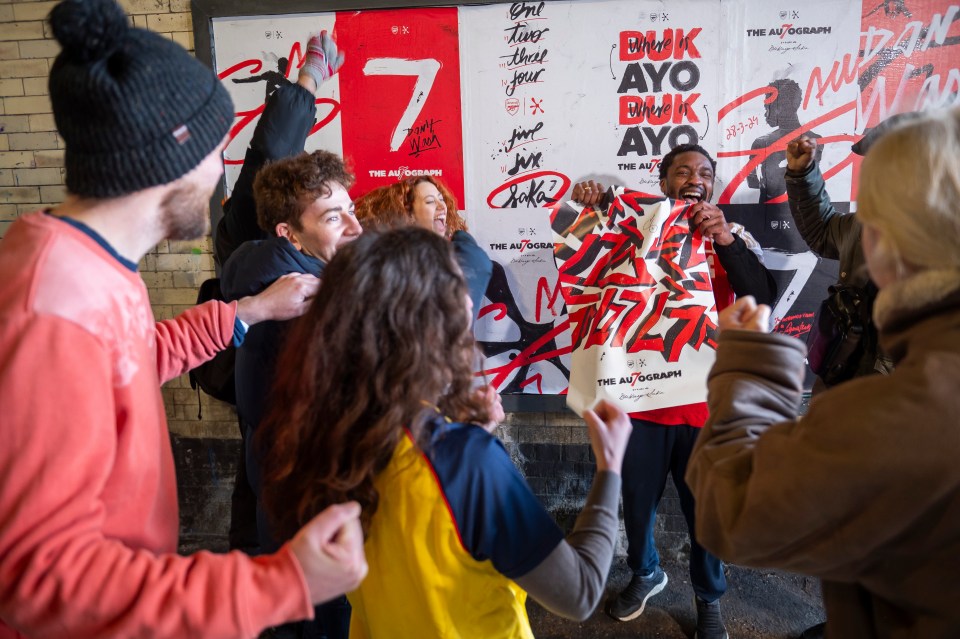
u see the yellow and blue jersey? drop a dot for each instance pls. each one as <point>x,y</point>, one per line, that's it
<point>456,523</point>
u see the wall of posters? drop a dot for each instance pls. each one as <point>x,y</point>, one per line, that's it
<point>511,104</point>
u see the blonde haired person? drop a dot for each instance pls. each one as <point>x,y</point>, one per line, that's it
<point>878,519</point>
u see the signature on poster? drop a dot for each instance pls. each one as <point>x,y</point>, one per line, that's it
<point>423,137</point>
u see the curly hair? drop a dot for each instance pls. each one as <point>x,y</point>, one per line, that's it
<point>385,342</point>
<point>283,189</point>
<point>391,206</point>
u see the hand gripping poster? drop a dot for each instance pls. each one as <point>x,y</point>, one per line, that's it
<point>560,92</point>
<point>638,289</point>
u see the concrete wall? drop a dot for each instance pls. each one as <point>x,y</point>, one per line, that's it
<point>551,448</point>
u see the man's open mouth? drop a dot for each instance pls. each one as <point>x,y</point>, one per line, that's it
<point>691,195</point>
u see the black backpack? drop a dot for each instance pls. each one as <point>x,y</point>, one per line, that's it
<point>215,377</point>
<point>843,332</point>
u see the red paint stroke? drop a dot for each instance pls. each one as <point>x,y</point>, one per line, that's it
<point>543,291</point>
<point>770,92</point>
<point>529,355</point>
<point>246,117</point>
<point>499,308</point>
<point>534,379</point>
<point>757,155</point>
<point>563,183</point>
<point>256,65</point>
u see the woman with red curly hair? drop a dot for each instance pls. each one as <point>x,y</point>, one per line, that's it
<point>423,201</point>
<point>426,202</point>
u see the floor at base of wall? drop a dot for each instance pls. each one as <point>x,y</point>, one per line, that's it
<point>759,604</point>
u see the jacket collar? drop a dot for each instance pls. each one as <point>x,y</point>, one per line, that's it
<point>903,304</point>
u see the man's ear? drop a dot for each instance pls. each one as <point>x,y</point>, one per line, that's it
<point>663,186</point>
<point>284,230</point>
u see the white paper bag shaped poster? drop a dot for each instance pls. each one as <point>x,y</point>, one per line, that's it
<point>640,299</point>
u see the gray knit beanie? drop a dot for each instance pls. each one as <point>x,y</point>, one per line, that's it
<point>134,108</point>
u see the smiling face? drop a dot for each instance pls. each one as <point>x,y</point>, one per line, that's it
<point>429,208</point>
<point>325,225</point>
<point>690,177</point>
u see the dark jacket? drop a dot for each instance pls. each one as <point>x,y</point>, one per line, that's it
<point>253,267</point>
<point>475,264</point>
<point>746,273</point>
<point>836,236</point>
<point>281,132</point>
<point>864,490</point>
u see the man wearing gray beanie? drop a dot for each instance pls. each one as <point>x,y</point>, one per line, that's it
<point>88,505</point>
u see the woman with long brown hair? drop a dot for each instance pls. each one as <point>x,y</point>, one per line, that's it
<point>374,402</point>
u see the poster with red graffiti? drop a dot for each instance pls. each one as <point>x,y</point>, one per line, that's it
<point>909,59</point>
<point>562,91</point>
<point>557,93</point>
<point>638,289</point>
<point>781,91</point>
<point>511,104</point>
<point>396,101</point>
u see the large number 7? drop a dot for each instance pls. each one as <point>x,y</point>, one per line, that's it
<point>426,71</point>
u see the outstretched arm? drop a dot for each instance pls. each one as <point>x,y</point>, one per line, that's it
<point>281,131</point>
<point>571,580</point>
<point>822,227</point>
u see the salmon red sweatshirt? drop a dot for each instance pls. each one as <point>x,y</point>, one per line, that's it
<point>88,502</point>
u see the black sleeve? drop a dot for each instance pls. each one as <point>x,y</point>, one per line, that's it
<point>281,132</point>
<point>747,274</point>
<point>822,227</point>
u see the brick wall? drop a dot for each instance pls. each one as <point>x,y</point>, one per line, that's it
<point>32,174</point>
<point>551,448</point>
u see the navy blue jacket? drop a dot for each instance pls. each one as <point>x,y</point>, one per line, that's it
<point>251,268</point>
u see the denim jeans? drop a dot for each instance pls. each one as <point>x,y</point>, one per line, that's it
<point>653,451</point>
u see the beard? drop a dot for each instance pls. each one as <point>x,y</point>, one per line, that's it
<point>185,212</point>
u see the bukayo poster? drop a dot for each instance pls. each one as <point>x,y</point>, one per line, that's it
<point>511,104</point>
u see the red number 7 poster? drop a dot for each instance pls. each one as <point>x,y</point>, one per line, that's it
<point>400,96</point>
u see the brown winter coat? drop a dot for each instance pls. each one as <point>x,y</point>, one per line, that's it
<point>864,491</point>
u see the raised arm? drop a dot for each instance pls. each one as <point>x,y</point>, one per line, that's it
<point>822,227</point>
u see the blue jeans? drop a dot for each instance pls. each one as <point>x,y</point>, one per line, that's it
<point>653,451</point>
